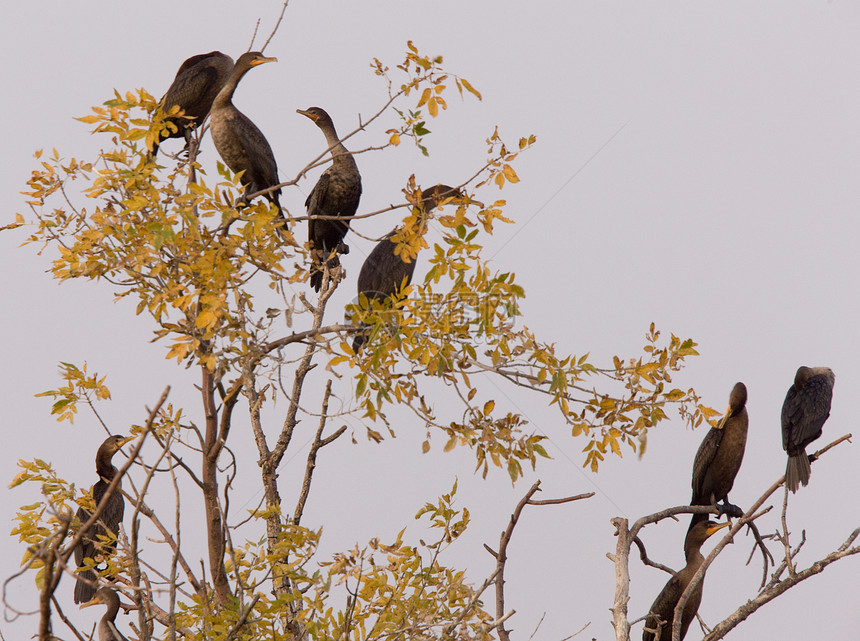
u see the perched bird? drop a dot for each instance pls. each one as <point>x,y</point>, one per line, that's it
<point>336,193</point>
<point>719,458</point>
<point>241,145</point>
<point>107,626</point>
<point>661,616</point>
<point>806,407</point>
<point>384,272</point>
<point>195,86</point>
<point>90,546</point>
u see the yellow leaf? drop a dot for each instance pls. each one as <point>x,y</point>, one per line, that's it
<point>470,88</point>
<point>433,107</point>
<point>488,407</point>
<point>206,319</point>
<point>510,174</point>
<point>425,447</point>
<point>395,139</point>
<point>450,444</point>
<point>425,96</point>
<point>500,180</point>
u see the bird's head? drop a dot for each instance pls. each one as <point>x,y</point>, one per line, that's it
<point>317,114</point>
<point>737,401</point>
<point>115,442</point>
<point>712,527</point>
<point>252,59</point>
<point>103,596</point>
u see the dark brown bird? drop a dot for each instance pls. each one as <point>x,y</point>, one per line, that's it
<point>719,458</point>
<point>806,408</point>
<point>384,272</point>
<point>242,146</point>
<point>195,86</point>
<point>336,193</point>
<point>107,626</point>
<point>90,547</point>
<point>661,616</point>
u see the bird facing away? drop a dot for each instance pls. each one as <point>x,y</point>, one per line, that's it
<point>661,616</point>
<point>806,407</point>
<point>384,272</point>
<point>107,626</point>
<point>194,88</point>
<point>719,457</point>
<point>90,546</point>
<point>336,193</point>
<point>241,145</point>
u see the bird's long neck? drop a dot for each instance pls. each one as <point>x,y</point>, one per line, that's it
<point>112,611</point>
<point>338,151</point>
<point>104,466</point>
<point>225,96</point>
<point>694,557</point>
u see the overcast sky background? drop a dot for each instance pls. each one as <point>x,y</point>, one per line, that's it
<point>725,209</point>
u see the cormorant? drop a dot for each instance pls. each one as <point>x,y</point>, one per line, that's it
<point>90,546</point>
<point>195,86</point>
<point>806,407</point>
<point>107,626</point>
<point>242,146</point>
<point>719,458</point>
<point>384,272</point>
<point>662,612</point>
<point>336,193</point>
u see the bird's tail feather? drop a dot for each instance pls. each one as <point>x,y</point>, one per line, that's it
<point>85,586</point>
<point>797,471</point>
<point>317,271</point>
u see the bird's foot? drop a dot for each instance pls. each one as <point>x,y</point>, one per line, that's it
<point>731,511</point>
<point>342,248</point>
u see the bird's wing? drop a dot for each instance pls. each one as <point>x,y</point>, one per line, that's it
<point>84,548</point>
<point>706,453</point>
<point>260,155</point>
<point>791,415</point>
<point>315,203</point>
<point>664,605</point>
<point>815,398</point>
<point>190,83</point>
<point>383,272</point>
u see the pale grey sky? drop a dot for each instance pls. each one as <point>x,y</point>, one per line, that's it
<point>725,210</point>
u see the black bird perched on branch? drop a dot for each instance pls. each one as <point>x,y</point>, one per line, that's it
<point>336,193</point>
<point>193,90</point>
<point>719,458</point>
<point>90,546</point>
<point>107,626</point>
<point>806,408</point>
<point>241,145</point>
<point>384,272</point>
<point>661,616</point>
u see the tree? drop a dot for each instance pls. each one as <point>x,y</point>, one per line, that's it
<point>217,297</point>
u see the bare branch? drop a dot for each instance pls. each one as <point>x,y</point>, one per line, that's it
<point>769,594</point>
<point>643,555</point>
<point>568,499</point>
<point>275,29</point>
<point>318,442</point>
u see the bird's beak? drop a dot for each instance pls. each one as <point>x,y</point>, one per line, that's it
<point>93,601</point>
<point>715,528</point>
<point>260,61</point>
<point>307,114</point>
<point>725,418</point>
<point>124,441</point>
